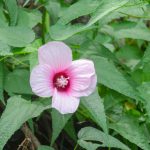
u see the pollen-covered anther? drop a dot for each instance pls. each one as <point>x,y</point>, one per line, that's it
<point>62,81</point>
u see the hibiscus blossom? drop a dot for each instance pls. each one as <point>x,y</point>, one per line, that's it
<point>60,77</point>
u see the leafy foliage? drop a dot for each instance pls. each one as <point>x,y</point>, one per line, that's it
<point>16,36</point>
<point>98,12</point>
<point>92,134</point>
<point>42,147</point>
<point>129,128</point>
<point>57,127</point>
<point>115,34</point>
<point>95,106</point>
<point>25,109</point>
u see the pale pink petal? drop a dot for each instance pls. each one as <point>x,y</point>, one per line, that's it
<point>41,81</point>
<point>88,90</point>
<point>64,103</point>
<point>56,54</point>
<point>80,72</point>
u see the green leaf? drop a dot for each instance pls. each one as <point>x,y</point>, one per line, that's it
<point>3,21</point>
<point>18,82</point>
<point>88,135</point>
<point>128,30</point>
<point>61,30</point>
<point>33,59</point>
<point>105,8</point>
<point>134,33</point>
<point>43,147</point>
<point>129,55</point>
<point>130,129</point>
<point>135,9</point>
<point>70,129</point>
<point>11,6</point>
<point>81,8</point>
<point>109,76</point>
<point>128,52</point>
<point>53,8</point>
<point>94,105</point>
<point>18,111</point>
<point>1,81</point>
<point>146,57</point>
<point>31,48</point>
<point>144,92</point>
<point>58,125</point>
<point>16,36</point>
<point>5,49</point>
<point>66,31</point>
<point>29,18</point>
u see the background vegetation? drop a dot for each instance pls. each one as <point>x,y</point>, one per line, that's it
<point>115,34</point>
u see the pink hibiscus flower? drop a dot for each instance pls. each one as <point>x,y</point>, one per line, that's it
<point>60,77</point>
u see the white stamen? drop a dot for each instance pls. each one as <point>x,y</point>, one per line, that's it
<point>62,81</point>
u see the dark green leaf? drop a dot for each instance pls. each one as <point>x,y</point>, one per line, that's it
<point>94,105</point>
<point>58,125</point>
<point>21,108</point>
<point>130,129</point>
<point>43,147</point>
<point>109,76</point>
<point>88,135</point>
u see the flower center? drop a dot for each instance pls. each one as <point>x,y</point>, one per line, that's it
<point>61,81</point>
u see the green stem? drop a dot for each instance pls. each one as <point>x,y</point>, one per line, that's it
<point>76,147</point>
<point>45,25</point>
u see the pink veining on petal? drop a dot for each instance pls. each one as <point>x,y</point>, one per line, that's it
<point>56,54</point>
<point>41,81</point>
<point>87,91</point>
<point>82,72</point>
<point>65,103</point>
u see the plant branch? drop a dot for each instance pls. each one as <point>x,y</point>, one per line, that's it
<point>29,135</point>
